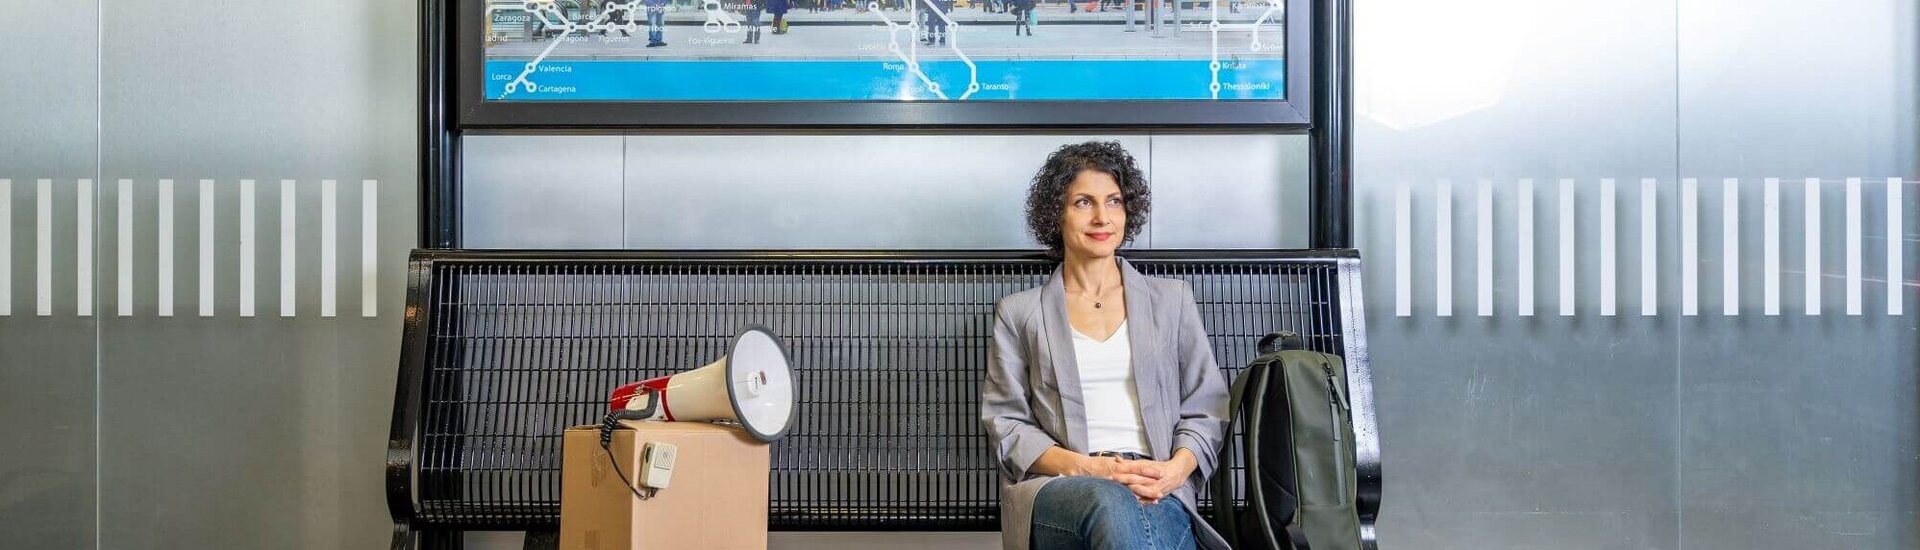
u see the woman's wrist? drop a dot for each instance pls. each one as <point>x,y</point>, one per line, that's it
<point>1088,465</point>
<point>1186,461</point>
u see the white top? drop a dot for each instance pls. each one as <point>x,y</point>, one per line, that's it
<point>1112,400</point>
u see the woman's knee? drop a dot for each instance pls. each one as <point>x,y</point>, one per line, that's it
<point>1098,492</point>
<point>1091,506</point>
<point>1099,512</point>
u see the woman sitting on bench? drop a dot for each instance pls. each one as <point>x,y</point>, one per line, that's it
<point>1102,399</point>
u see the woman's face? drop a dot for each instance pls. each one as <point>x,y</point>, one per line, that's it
<point>1096,216</point>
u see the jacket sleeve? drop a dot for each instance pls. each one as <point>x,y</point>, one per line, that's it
<point>1017,440</point>
<point>1203,392</point>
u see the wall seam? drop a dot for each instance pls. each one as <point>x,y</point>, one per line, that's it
<point>1679,369</point>
<point>99,169</point>
<point>1151,179</point>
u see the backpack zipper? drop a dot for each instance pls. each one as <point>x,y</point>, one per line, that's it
<point>1333,399</point>
<point>1334,407</point>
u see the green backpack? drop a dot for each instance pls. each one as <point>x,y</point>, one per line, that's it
<point>1297,446</point>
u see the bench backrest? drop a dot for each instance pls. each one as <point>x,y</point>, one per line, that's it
<point>506,349</point>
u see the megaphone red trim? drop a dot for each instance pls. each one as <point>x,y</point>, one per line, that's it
<point>623,396</point>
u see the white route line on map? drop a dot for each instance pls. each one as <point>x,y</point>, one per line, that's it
<point>551,15</point>
<point>911,57</point>
<point>1215,26</point>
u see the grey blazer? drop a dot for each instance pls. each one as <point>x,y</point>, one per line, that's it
<point>1031,398</point>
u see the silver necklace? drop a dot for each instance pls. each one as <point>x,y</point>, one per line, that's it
<point>1096,301</point>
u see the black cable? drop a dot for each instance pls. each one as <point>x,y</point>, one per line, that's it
<point>607,425</point>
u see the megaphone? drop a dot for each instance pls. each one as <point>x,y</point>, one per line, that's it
<point>752,385</point>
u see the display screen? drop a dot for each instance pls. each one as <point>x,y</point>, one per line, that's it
<point>884,50</point>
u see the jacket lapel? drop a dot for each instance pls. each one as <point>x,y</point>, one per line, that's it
<point>1143,338</point>
<point>1066,372</point>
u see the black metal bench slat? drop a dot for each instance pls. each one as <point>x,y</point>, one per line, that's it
<point>504,349</point>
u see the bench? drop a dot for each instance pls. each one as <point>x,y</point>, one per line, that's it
<point>503,350</point>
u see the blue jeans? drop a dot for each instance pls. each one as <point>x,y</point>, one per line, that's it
<point>1081,512</point>
<point>656,25</point>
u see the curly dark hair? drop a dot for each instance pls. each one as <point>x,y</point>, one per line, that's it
<point>1047,193</point>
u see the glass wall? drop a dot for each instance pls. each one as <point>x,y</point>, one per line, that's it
<point>1639,276</point>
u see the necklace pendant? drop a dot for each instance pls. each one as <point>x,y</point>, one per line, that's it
<point>1096,305</point>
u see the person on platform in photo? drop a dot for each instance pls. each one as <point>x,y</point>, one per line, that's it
<point>1101,401</point>
<point>936,24</point>
<point>750,11</point>
<point>779,10</point>
<point>1022,16</point>
<point>656,22</point>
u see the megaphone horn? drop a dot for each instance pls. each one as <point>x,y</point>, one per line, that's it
<point>752,385</point>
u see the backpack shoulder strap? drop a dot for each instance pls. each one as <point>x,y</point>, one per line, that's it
<point>1240,414</point>
<point>1256,494</point>
<point>1222,483</point>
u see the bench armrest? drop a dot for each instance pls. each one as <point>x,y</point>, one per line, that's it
<point>403,444</point>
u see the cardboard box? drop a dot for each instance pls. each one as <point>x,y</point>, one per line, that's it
<point>717,497</point>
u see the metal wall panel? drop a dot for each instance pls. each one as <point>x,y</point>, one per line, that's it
<point>48,377</point>
<point>837,191</point>
<point>1788,430</point>
<point>1510,431</point>
<point>265,431</point>
<point>544,192</point>
<point>1796,430</point>
<point>48,383</point>
<point>862,191</point>
<point>1230,191</point>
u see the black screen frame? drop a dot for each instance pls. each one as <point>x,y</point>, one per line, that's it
<point>474,111</point>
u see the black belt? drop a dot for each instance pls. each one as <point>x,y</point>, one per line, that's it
<point>1123,456</point>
